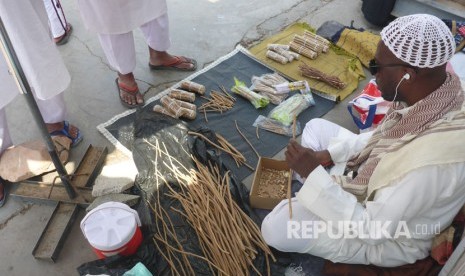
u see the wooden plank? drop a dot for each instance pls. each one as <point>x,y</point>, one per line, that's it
<point>89,167</point>
<point>45,192</point>
<point>54,234</point>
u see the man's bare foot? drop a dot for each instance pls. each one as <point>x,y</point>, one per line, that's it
<point>129,91</point>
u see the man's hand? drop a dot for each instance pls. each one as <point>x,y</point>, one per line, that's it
<point>304,160</point>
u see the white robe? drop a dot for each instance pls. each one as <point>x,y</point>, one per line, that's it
<point>421,204</point>
<point>26,24</point>
<point>119,16</point>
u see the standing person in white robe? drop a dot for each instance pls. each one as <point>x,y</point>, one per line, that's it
<point>59,26</point>
<point>408,180</point>
<point>114,21</point>
<point>26,24</point>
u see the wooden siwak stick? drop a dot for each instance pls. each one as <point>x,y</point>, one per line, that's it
<point>289,198</point>
<point>247,140</point>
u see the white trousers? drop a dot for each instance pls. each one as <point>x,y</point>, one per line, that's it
<point>120,50</point>
<point>318,132</point>
<point>56,17</point>
<point>276,225</point>
<point>53,110</point>
<point>316,135</point>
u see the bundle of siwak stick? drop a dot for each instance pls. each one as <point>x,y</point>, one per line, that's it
<point>313,73</point>
<point>179,102</point>
<point>228,238</point>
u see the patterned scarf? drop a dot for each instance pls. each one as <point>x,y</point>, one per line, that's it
<point>399,130</point>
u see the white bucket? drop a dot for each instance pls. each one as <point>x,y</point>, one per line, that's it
<point>112,228</point>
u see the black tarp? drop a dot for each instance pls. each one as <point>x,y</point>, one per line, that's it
<point>242,67</point>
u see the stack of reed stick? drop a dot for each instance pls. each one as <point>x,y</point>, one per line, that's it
<point>309,45</point>
<point>218,101</point>
<point>228,238</point>
<point>176,108</point>
<point>311,72</point>
<point>193,87</point>
<point>264,85</point>
<point>179,103</point>
<point>281,53</point>
<point>321,43</point>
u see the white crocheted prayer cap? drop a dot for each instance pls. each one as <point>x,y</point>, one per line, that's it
<point>421,40</point>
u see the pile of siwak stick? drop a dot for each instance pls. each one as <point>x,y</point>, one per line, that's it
<point>229,239</point>
<point>311,72</point>
<point>218,102</point>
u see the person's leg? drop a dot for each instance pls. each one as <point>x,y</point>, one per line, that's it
<point>318,133</point>
<point>59,27</point>
<point>5,142</point>
<point>156,33</point>
<point>285,234</point>
<point>5,139</point>
<point>120,52</point>
<point>307,233</point>
<point>54,113</point>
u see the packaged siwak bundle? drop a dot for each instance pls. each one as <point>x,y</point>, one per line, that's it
<point>193,87</point>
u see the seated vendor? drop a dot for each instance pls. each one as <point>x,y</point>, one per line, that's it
<point>403,184</point>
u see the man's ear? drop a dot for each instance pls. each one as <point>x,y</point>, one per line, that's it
<point>410,75</point>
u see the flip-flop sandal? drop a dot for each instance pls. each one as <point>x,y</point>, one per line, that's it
<point>174,65</point>
<point>65,38</point>
<point>5,193</point>
<point>122,87</point>
<point>65,132</point>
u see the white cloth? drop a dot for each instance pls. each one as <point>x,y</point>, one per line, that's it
<point>458,64</point>
<point>120,50</point>
<point>56,17</point>
<point>53,110</point>
<point>342,144</point>
<point>5,138</point>
<point>426,199</point>
<point>119,16</point>
<point>26,24</point>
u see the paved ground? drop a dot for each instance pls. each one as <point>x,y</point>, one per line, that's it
<point>205,30</point>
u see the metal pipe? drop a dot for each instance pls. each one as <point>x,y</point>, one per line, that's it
<point>12,59</point>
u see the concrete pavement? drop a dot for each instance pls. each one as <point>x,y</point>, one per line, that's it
<point>205,30</point>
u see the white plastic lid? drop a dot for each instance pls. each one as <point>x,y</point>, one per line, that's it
<point>110,226</point>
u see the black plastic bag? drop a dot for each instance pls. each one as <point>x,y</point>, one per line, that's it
<point>378,12</point>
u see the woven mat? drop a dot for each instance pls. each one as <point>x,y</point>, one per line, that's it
<point>239,64</point>
<point>336,62</point>
<point>361,44</point>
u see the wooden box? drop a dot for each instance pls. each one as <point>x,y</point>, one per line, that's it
<point>266,194</point>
